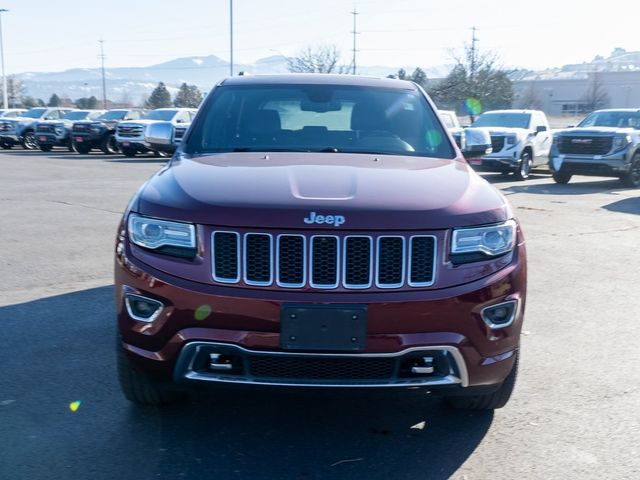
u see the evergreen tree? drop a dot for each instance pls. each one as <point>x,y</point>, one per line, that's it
<point>160,97</point>
<point>188,96</point>
<point>87,103</point>
<point>54,101</point>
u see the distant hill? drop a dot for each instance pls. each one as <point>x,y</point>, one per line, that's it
<point>133,83</point>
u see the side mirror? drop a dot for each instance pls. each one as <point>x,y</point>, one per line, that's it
<point>541,128</point>
<point>571,126</point>
<point>160,133</point>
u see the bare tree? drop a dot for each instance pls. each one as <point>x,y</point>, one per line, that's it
<point>596,96</point>
<point>15,91</point>
<point>530,98</point>
<point>319,59</point>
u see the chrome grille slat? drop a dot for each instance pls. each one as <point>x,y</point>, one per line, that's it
<point>318,261</point>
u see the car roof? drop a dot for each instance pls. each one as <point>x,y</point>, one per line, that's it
<point>512,110</point>
<point>617,110</point>
<point>319,79</point>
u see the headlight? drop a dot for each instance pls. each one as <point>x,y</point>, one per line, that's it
<point>173,238</point>
<point>621,142</point>
<point>511,139</point>
<point>489,241</point>
<point>59,131</point>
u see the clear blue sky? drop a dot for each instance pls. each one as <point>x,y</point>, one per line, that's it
<point>54,35</point>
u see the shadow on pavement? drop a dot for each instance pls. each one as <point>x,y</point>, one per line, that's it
<point>59,350</point>
<point>552,188</point>
<point>627,205</point>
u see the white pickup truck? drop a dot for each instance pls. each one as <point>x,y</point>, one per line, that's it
<point>520,140</point>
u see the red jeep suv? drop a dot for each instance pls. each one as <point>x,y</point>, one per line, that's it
<point>317,231</point>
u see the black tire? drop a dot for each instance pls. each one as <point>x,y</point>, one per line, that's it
<point>82,149</point>
<point>46,148</point>
<point>128,152</point>
<point>491,401</point>
<point>6,146</point>
<point>138,388</point>
<point>561,178</point>
<point>524,166</point>
<point>109,146</point>
<point>160,154</point>
<point>632,178</point>
<point>29,141</point>
<point>70,146</point>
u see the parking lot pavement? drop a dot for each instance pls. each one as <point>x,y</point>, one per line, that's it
<point>574,413</point>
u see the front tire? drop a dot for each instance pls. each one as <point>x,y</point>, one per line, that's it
<point>81,149</point>
<point>140,389</point>
<point>128,152</point>
<point>524,167</point>
<point>632,178</point>
<point>29,141</point>
<point>561,178</point>
<point>109,145</point>
<point>6,146</point>
<point>490,401</point>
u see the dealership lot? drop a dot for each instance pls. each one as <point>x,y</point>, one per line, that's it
<point>574,413</point>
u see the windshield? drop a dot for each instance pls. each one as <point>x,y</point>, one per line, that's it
<point>34,113</point>
<point>317,118</point>
<point>616,119</point>
<point>506,120</point>
<point>165,115</point>
<point>113,115</point>
<point>76,115</point>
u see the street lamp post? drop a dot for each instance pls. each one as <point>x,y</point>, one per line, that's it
<point>5,103</point>
<point>231,37</point>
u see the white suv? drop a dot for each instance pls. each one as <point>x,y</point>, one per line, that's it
<point>520,140</point>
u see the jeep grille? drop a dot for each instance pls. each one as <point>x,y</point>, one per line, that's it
<point>323,261</point>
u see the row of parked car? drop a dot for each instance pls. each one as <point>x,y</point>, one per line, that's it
<point>606,143</point>
<point>128,131</point>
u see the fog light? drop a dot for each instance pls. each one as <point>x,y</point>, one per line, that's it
<point>141,308</point>
<point>501,315</point>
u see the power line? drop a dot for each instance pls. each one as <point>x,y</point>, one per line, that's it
<point>104,80</point>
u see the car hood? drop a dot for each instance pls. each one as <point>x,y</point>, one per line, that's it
<point>143,122</point>
<point>23,120</point>
<point>504,130</point>
<point>587,131</point>
<point>278,190</point>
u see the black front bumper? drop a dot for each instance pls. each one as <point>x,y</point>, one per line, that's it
<point>50,140</point>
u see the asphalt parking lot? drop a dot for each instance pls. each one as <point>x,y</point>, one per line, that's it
<point>575,412</point>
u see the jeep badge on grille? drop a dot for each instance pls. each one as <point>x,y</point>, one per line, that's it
<point>335,220</point>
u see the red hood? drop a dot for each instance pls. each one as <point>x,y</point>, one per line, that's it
<point>392,192</point>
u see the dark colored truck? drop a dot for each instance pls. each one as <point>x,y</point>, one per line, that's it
<point>605,144</point>
<point>319,231</point>
<point>57,133</point>
<point>21,130</point>
<point>100,133</point>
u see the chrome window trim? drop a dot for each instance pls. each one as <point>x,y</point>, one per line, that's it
<point>320,286</point>
<point>344,264</point>
<point>435,261</point>
<point>404,263</point>
<point>184,367</point>
<point>213,257</point>
<point>244,260</point>
<point>304,261</point>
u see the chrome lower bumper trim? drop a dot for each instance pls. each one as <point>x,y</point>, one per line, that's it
<point>185,371</point>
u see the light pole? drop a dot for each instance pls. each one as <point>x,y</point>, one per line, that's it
<point>231,37</point>
<point>5,103</point>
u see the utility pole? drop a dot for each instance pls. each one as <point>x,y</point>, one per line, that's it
<point>104,80</point>
<point>472,60</point>
<point>5,96</point>
<point>231,37</point>
<point>355,32</point>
